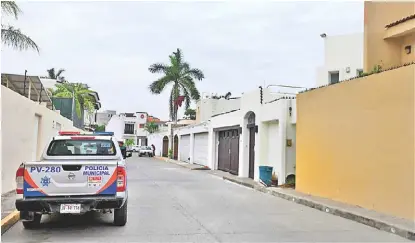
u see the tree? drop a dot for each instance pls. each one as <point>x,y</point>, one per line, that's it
<point>14,37</point>
<point>129,142</point>
<point>181,76</point>
<point>100,128</point>
<point>151,127</point>
<point>83,101</point>
<point>56,75</point>
<point>190,114</point>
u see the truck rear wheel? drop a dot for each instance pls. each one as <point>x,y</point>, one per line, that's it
<point>35,222</point>
<point>120,215</point>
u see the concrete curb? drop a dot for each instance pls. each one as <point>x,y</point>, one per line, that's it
<point>185,165</point>
<point>375,223</point>
<point>9,221</point>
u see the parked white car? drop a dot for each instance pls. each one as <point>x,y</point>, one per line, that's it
<point>136,148</point>
<point>146,150</point>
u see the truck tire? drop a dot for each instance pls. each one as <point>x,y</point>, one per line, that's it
<point>33,223</point>
<point>120,215</point>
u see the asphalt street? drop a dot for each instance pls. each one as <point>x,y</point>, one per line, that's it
<point>168,203</point>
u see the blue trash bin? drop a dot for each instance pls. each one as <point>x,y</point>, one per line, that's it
<point>265,174</point>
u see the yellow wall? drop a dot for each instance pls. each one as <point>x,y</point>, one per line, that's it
<point>377,50</point>
<point>408,40</point>
<point>355,142</point>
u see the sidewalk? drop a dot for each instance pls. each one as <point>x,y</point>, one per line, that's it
<point>184,164</point>
<point>9,215</point>
<point>402,227</point>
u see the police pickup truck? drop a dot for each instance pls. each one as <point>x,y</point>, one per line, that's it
<point>77,173</point>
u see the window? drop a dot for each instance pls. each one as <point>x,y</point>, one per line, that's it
<point>129,129</point>
<point>141,125</point>
<point>359,72</point>
<point>334,77</point>
<point>81,147</point>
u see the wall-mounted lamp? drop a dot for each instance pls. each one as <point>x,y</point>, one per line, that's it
<point>323,35</point>
<point>408,49</point>
<point>290,110</point>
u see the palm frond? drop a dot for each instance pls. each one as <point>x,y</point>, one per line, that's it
<point>158,68</point>
<point>158,86</point>
<point>191,86</point>
<point>178,55</point>
<point>196,73</point>
<point>16,39</point>
<point>187,97</point>
<point>10,7</point>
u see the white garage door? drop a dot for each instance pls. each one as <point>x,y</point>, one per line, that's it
<point>184,148</point>
<point>201,148</point>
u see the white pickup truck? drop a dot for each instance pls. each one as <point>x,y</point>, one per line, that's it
<point>76,174</point>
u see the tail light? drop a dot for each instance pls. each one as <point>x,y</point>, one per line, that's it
<point>19,180</point>
<point>121,179</point>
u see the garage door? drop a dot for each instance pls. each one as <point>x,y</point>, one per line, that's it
<point>201,148</point>
<point>228,151</point>
<point>184,148</point>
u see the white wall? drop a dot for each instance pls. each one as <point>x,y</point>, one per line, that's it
<point>102,118</point>
<point>340,52</point>
<point>206,108</point>
<point>18,130</point>
<point>157,140</point>
<point>116,125</point>
<point>271,118</point>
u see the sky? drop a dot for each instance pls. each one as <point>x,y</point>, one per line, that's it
<point>238,45</point>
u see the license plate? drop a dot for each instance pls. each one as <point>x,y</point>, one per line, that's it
<point>70,208</point>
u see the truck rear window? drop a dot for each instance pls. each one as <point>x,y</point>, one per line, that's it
<point>81,147</point>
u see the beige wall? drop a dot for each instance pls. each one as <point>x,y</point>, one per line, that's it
<point>377,50</point>
<point>408,41</point>
<point>18,132</point>
<point>355,142</point>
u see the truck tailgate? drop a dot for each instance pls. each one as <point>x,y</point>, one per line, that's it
<point>64,178</point>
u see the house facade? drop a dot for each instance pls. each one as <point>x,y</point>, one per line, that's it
<point>389,34</point>
<point>256,129</point>
<point>129,126</point>
<point>355,138</point>
<point>132,126</point>
<point>343,58</point>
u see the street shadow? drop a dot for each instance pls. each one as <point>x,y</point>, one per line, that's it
<point>87,220</point>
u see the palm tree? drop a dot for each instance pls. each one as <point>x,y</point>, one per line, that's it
<point>11,36</point>
<point>56,75</point>
<point>181,75</point>
<point>79,91</point>
<point>151,127</point>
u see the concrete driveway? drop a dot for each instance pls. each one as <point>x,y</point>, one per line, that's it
<point>168,203</point>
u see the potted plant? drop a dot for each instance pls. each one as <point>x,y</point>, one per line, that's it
<point>170,154</point>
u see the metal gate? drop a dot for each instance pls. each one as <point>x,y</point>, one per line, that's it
<point>185,148</point>
<point>201,149</point>
<point>228,151</point>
